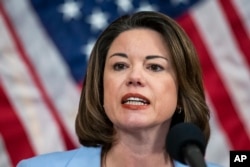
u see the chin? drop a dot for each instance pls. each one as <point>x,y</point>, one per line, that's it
<point>135,125</point>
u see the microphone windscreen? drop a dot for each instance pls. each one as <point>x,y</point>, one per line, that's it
<point>181,135</point>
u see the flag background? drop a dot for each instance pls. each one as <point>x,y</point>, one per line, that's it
<point>44,48</point>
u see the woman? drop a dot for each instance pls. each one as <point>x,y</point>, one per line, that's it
<point>143,77</point>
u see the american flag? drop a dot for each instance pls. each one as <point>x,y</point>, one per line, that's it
<point>44,49</point>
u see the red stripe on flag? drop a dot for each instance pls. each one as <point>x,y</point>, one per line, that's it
<point>68,142</point>
<point>237,28</point>
<point>13,132</point>
<point>225,110</point>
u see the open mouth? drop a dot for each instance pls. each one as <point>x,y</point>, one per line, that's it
<point>135,99</point>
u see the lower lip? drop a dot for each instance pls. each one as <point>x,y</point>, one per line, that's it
<point>134,107</point>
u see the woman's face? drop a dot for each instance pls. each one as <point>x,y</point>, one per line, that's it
<point>140,88</point>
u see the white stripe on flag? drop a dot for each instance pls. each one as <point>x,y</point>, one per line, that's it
<point>4,158</point>
<point>25,98</point>
<point>218,147</point>
<point>50,67</point>
<point>226,56</point>
<point>242,8</point>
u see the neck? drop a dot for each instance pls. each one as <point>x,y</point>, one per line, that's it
<point>138,149</point>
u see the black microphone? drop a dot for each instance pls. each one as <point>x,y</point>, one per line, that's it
<point>186,143</point>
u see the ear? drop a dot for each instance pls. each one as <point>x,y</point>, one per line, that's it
<point>178,117</point>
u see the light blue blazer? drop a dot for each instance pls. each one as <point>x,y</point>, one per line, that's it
<point>81,157</point>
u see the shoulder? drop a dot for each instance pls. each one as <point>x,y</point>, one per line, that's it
<point>209,164</point>
<point>84,155</point>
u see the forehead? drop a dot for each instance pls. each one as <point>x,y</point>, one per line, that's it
<point>139,40</point>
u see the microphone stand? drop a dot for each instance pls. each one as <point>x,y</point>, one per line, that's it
<point>193,156</point>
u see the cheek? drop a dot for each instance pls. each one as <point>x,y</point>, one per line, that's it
<point>167,97</point>
<point>112,97</point>
<point>107,89</point>
<point>111,91</point>
<point>108,96</point>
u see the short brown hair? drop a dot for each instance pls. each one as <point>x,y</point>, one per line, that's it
<point>93,126</point>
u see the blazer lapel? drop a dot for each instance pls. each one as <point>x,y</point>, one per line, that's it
<point>86,157</point>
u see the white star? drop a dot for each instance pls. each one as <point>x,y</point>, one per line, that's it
<point>98,20</point>
<point>86,49</point>
<point>178,2</point>
<point>70,10</point>
<point>147,7</point>
<point>124,6</point>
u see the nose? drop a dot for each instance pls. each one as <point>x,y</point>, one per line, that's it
<point>136,78</point>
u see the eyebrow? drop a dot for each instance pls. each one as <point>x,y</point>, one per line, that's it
<point>155,56</point>
<point>147,57</point>
<point>119,54</point>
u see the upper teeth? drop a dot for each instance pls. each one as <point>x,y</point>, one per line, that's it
<point>136,99</point>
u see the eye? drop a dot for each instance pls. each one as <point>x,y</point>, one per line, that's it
<point>155,67</point>
<point>119,66</point>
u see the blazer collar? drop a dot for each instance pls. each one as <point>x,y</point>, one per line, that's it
<point>91,157</point>
<point>86,157</point>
